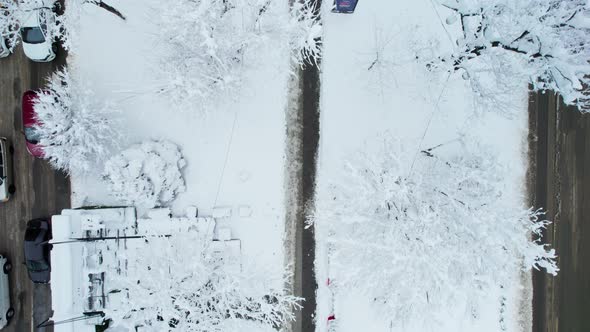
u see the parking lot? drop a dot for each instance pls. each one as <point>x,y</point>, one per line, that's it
<point>40,191</point>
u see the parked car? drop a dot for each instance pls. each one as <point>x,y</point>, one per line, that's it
<point>6,310</point>
<point>29,123</point>
<point>7,187</point>
<point>37,248</point>
<point>4,50</point>
<point>38,44</point>
<point>344,6</point>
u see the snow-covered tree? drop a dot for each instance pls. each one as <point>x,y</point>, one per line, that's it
<point>209,43</point>
<point>196,290</point>
<point>541,42</point>
<point>418,241</point>
<point>9,24</point>
<point>76,130</point>
<point>147,174</point>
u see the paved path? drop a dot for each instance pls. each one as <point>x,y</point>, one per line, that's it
<point>303,133</point>
<point>560,183</point>
<point>303,142</point>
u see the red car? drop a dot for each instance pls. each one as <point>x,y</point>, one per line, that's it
<point>29,124</point>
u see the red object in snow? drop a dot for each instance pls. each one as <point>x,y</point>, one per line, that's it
<point>344,6</point>
<point>331,317</point>
<point>29,124</point>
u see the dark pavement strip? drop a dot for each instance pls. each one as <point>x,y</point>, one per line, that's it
<point>559,181</point>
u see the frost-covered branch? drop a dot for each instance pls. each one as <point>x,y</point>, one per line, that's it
<point>107,7</point>
<point>417,244</point>
<point>209,44</point>
<point>306,32</point>
<point>197,291</point>
<point>76,129</point>
<point>541,42</point>
<point>10,22</point>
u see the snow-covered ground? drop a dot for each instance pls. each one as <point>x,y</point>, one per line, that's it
<point>233,157</point>
<point>373,83</point>
<point>379,79</point>
<point>234,153</point>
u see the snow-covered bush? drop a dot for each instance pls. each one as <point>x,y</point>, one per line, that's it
<point>208,44</point>
<point>418,241</point>
<point>197,291</point>
<point>541,42</point>
<point>147,174</point>
<point>76,130</point>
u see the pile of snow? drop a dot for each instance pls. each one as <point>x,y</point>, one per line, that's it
<point>146,175</point>
<point>539,42</point>
<point>76,129</point>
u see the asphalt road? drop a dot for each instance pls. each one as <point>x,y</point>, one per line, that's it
<point>302,148</point>
<point>305,262</point>
<point>559,181</point>
<point>40,191</point>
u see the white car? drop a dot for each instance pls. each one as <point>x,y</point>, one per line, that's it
<point>6,310</point>
<point>4,51</point>
<point>38,44</point>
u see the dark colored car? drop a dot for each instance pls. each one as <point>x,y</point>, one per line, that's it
<point>37,250</point>
<point>344,6</point>
<point>30,123</point>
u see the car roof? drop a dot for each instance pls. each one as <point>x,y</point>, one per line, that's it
<point>32,19</point>
<point>27,108</point>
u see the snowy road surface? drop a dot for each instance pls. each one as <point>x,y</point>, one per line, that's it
<point>40,191</point>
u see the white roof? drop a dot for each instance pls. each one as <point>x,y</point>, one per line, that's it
<point>69,275</point>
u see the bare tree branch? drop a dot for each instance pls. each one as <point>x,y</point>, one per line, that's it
<point>108,8</point>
